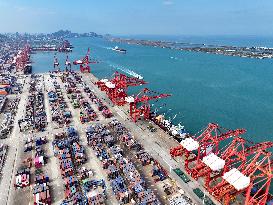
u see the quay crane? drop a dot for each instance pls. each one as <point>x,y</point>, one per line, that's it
<point>210,137</point>
<point>67,64</point>
<point>56,64</point>
<point>235,154</point>
<point>256,175</point>
<point>84,63</point>
<point>117,87</point>
<point>206,144</point>
<point>240,167</point>
<point>22,60</point>
<point>139,105</point>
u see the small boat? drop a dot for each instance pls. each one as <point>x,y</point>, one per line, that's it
<point>121,50</point>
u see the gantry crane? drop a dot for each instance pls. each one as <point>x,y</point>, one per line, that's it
<point>239,150</point>
<point>233,155</point>
<point>120,83</point>
<point>56,64</point>
<point>139,105</point>
<point>67,64</point>
<point>257,172</point>
<point>84,63</point>
<point>209,143</point>
<point>210,136</point>
<point>261,180</point>
<point>102,84</point>
<point>117,87</point>
<point>23,58</point>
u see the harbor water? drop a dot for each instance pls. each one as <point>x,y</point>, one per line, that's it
<point>234,92</point>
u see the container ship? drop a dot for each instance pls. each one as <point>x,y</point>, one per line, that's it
<point>178,132</point>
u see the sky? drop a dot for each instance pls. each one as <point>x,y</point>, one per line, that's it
<point>127,17</point>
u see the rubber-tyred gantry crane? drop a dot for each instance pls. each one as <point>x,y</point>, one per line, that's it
<point>84,63</point>
<point>139,105</point>
<point>117,87</point>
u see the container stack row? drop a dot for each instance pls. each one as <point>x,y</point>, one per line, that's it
<point>9,111</point>
<point>126,182</point>
<point>78,187</point>
<point>35,117</point>
<point>98,102</point>
<point>72,82</point>
<point>58,106</point>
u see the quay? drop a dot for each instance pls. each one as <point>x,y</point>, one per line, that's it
<point>69,143</point>
<point>157,145</point>
<point>68,137</point>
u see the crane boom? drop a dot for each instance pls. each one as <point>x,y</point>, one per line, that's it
<point>143,98</point>
<point>126,81</point>
<point>148,98</point>
<point>84,63</point>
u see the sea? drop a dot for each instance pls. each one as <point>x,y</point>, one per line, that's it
<point>234,92</point>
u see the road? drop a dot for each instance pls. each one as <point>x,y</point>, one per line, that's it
<point>15,148</point>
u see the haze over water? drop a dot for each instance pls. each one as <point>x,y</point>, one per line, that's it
<point>231,91</point>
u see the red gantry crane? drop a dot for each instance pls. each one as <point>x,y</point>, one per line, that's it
<point>139,105</point>
<point>117,87</point>
<point>256,173</point>
<point>22,59</point>
<point>84,63</point>
<point>212,167</point>
<point>207,143</point>
<point>67,64</point>
<point>211,134</point>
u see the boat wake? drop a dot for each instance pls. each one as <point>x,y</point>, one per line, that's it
<point>174,58</point>
<point>126,70</point>
<point>108,48</point>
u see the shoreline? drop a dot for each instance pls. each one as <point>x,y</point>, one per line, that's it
<point>243,52</point>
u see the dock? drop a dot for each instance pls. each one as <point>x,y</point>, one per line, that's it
<point>22,148</point>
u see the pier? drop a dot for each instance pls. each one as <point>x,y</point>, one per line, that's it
<point>157,145</point>
<point>69,138</point>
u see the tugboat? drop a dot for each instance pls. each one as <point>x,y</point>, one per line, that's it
<point>121,50</point>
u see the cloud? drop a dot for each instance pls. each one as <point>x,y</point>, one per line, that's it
<point>168,2</point>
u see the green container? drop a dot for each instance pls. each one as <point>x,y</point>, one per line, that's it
<point>199,193</point>
<point>182,175</point>
<point>178,171</point>
<point>208,201</point>
<point>185,178</point>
